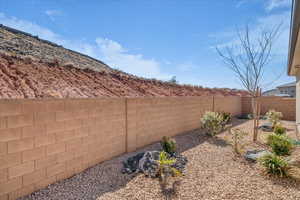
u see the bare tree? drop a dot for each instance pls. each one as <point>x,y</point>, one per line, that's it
<point>247,58</point>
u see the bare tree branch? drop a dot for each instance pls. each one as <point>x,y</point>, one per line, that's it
<point>249,59</point>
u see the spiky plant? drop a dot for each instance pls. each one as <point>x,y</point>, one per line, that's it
<point>168,145</point>
<point>274,164</point>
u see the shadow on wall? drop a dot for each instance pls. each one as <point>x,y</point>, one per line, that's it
<point>106,177</point>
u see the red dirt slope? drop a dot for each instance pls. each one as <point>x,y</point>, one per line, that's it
<point>25,78</point>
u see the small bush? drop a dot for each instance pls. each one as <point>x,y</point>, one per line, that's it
<point>280,144</point>
<point>273,117</point>
<point>274,165</point>
<point>237,135</point>
<point>226,117</point>
<point>212,123</point>
<point>168,145</point>
<point>279,129</point>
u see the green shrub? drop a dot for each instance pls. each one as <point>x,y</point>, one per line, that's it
<point>274,165</point>
<point>168,145</point>
<point>273,117</point>
<point>279,129</point>
<point>280,144</point>
<point>212,123</point>
<point>226,117</point>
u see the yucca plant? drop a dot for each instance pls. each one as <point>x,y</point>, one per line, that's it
<point>274,164</point>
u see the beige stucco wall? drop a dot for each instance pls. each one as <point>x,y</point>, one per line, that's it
<point>43,141</point>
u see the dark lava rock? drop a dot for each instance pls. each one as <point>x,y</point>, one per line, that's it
<point>180,163</point>
<point>266,127</point>
<point>146,163</point>
<point>131,165</point>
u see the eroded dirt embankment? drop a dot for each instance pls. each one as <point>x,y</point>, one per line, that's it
<point>29,78</point>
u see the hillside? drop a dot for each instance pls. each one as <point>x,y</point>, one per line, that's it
<point>35,68</point>
<point>24,44</point>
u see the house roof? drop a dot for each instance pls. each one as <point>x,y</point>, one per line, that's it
<point>268,91</point>
<point>294,30</point>
<point>287,85</point>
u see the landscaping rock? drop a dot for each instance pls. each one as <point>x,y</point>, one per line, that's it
<point>245,116</point>
<point>296,142</point>
<point>131,165</point>
<point>180,163</point>
<point>146,163</point>
<point>254,155</point>
<point>267,127</point>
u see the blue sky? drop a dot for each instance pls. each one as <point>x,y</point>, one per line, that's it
<point>155,38</point>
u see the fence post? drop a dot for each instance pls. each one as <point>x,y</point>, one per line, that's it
<point>213,104</point>
<point>126,127</point>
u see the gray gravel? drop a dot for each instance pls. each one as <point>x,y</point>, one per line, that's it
<point>213,172</point>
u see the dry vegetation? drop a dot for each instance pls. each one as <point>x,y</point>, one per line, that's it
<point>29,78</point>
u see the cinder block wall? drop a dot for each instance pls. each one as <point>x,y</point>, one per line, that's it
<point>151,118</point>
<point>229,104</point>
<point>43,141</point>
<point>282,104</point>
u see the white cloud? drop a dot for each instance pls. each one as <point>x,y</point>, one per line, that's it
<point>113,53</point>
<point>32,28</point>
<point>268,5</point>
<point>53,13</point>
<point>281,44</point>
<point>228,38</point>
<point>273,4</point>
<point>106,50</point>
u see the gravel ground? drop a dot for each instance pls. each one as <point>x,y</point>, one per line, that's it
<point>213,172</point>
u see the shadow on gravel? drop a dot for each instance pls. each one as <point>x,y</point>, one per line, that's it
<point>106,177</point>
<point>285,182</point>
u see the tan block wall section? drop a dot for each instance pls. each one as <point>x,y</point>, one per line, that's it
<point>228,104</point>
<point>149,119</point>
<point>285,105</point>
<point>43,141</point>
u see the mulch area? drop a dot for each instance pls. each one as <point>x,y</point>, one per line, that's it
<point>213,172</point>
